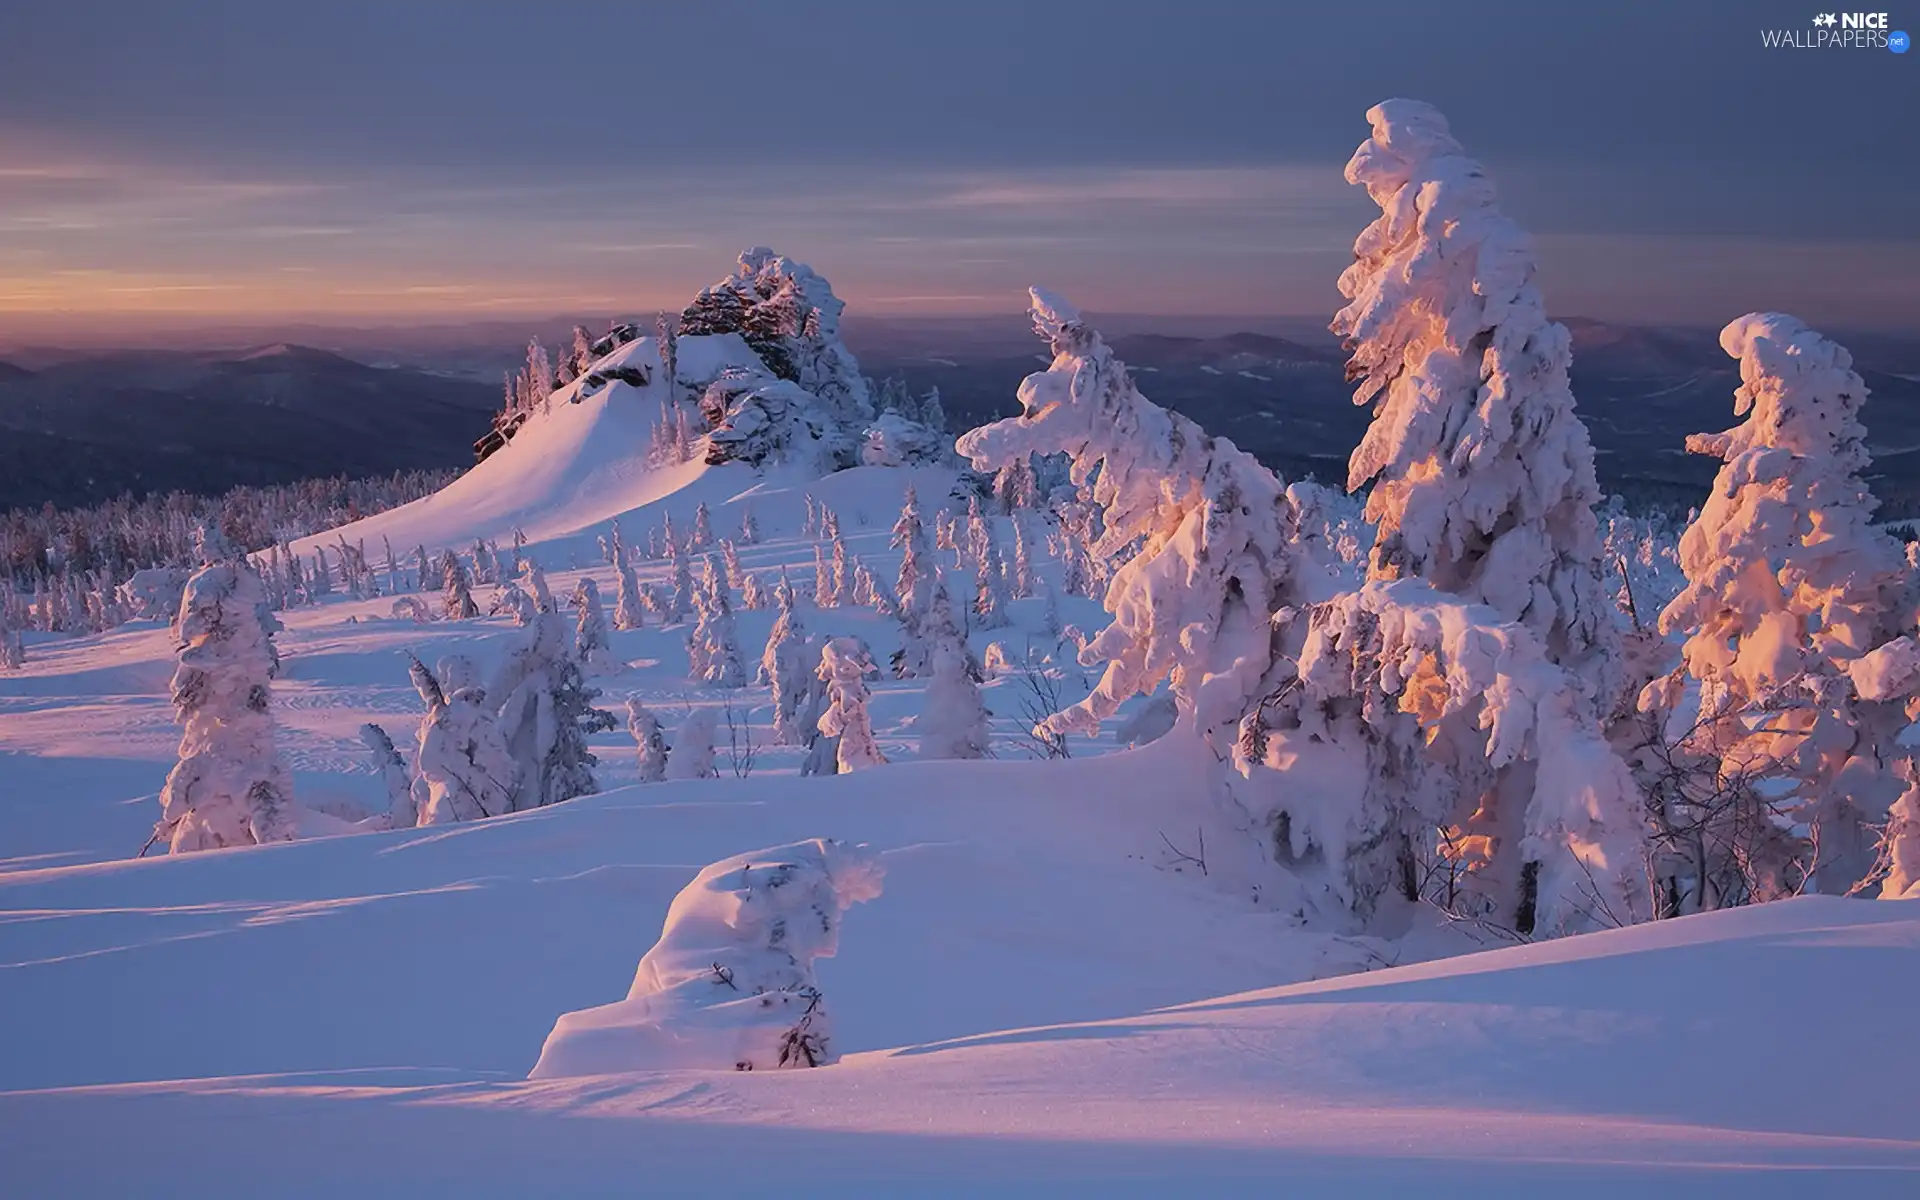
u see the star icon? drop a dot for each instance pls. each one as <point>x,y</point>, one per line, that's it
<point>1825,19</point>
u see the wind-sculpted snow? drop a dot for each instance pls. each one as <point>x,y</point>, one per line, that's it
<point>730,984</point>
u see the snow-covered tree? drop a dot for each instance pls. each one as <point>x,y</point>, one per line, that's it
<point>702,527</point>
<point>953,721</point>
<point>692,756</point>
<point>1481,471</point>
<point>749,528</point>
<point>628,609</point>
<point>844,666</point>
<point>650,742</point>
<point>753,596</point>
<point>990,586</point>
<point>590,645</point>
<point>1194,606</point>
<point>736,575</point>
<point>546,715</point>
<point>713,648</point>
<point>785,665</point>
<point>230,787</point>
<point>730,983</point>
<point>912,587</point>
<point>1476,752</point>
<point>979,533</point>
<point>1886,675</point>
<point>1020,581</point>
<point>1788,582</point>
<point>822,579</point>
<point>465,770</point>
<point>682,600</point>
<point>459,596</point>
<point>394,778</point>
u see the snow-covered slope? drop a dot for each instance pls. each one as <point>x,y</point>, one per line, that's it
<point>572,467</point>
<point>1003,1004</point>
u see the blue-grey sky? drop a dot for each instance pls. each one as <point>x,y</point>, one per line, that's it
<point>428,159</point>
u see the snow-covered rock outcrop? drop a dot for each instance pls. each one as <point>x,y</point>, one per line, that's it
<point>730,983</point>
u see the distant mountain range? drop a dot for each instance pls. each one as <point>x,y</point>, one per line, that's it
<point>1641,391</point>
<point>92,428</point>
<point>81,428</point>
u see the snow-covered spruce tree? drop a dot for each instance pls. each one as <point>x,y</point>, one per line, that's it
<point>749,528</point>
<point>546,715</point>
<point>682,600</point>
<point>692,756</point>
<point>1787,583</point>
<point>787,667</point>
<point>1192,608</point>
<point>841,564</point>
<point>394,777</point>
<point>650,742</point>
<point>628,611</point>
<point>702,527</point>
<point>946,535</point>
<point>753,596</point>
<point>1020,580</point>
<point>731,981</point>
<point>990,586</point>
<point>1888,674</point>
<point>1481,471</point>
<point>823,596</point>
<point>590,645</point>
<point>230,787</point>
<point>713,646</point>
<point>844,665</point>
<point>736,575</point>
<point>912,588</point>
<point>953,721</point>
<point>979,533</point>
<point>459,596</point>
<point>465,772</point>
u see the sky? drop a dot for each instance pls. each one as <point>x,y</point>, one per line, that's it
<point>167,165</point>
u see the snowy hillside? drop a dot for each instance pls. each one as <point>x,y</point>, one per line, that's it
<point>1116,817</point>
<point>1003,1006</point>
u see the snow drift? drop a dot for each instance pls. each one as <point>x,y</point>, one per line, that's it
<point>731,982</point>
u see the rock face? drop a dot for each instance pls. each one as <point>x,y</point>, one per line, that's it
<point>787,314</point>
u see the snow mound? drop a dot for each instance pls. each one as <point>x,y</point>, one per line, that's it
<point>730,983</point>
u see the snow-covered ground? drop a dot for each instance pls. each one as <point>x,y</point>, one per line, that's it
<point>1072,982</point>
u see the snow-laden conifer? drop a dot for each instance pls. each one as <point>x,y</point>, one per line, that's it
<point>692,755</point>
<point>649,740</point>
<point>844,666</point>
<point>953,718</point>
<point>394,778</point>
<point>1788,582</point>
<point>464,770</point>
<point>230,786</point>
<point>546,714</point>
<point>785,666</point>
<point>714,646</point>
<point>590,644</point>
<point>1481,471</point>
<point>457,588</point>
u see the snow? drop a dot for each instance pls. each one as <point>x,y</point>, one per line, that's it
<point>1085,975</point>
<point>731,981</point>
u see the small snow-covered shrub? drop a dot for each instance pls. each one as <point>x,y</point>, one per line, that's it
<point>730,983</point>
